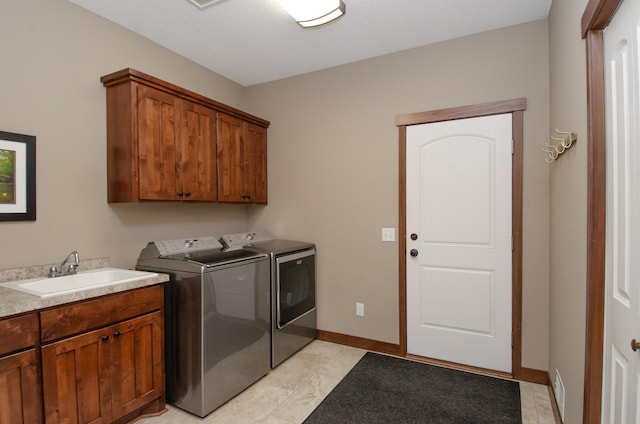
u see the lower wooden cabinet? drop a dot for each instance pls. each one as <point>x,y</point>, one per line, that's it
<point>95,361</point>
<point>20,394</point>
<point>105,374</point>
<point>20,389</point>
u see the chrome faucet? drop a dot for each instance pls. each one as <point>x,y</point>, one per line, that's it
<point>57,271</point>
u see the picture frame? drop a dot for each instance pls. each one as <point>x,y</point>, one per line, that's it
<point>17,177</point>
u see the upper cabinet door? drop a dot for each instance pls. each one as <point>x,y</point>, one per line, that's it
<point>255,163</point>
<point>198,171</point>
<point>230,159</point>
<point>158,138</point>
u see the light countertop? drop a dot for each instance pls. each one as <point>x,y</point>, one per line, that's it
<point>14,302</point>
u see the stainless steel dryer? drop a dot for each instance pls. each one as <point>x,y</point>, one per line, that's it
<point>217,315</point>
<point>293,290</point>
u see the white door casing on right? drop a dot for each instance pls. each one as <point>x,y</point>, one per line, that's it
<point>458,221</point>
<point>621,367</point>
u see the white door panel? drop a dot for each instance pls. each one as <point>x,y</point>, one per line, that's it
<point>460,165</point>
<point>459,207</point>
<point>441,306</point>
<point>622,294</point>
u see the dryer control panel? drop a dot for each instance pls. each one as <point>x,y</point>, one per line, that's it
<point>244,239</point>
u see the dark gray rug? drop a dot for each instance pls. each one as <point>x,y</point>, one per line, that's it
<point>383,389</point>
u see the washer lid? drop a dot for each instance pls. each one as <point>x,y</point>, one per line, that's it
<point>216,257</point>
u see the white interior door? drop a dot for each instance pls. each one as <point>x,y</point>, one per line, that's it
<point>458,213</point>
<point>622,299</point>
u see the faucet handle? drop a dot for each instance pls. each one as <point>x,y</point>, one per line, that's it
<point>53,271</point>
<point>72,268</point>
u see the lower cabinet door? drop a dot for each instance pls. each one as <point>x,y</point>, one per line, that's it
<point>20,389</point>
<point>103,375</point>
<point>75,374</point>
<point>136,355</point>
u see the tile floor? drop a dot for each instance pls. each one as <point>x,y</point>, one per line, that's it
<point>290,392</point>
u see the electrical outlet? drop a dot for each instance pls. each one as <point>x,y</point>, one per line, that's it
<point>360,309</point>
<point>388,234</point>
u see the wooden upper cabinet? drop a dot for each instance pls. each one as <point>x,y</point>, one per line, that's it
<point>164,142</point>
<point>255,161</point>
<point>242,161</point>
<point>159,156</point>
<point>230,141</point>
<point>198,152</point>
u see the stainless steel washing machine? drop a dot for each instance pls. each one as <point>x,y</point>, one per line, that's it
<point>293,290</point>
<point>217,319</point>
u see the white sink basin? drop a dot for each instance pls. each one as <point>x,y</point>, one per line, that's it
<point>47,287</point>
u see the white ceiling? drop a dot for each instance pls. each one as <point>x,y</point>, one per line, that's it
<point>256,41</point>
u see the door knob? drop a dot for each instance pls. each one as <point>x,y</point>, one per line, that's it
<point>414,236</point>
<point>635,345</point>
<point>414,252</point>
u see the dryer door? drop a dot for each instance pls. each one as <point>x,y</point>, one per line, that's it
<point>295,285</point>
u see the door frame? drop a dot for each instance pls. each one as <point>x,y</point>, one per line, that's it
<point>596,17</point>
<point>516,107</point>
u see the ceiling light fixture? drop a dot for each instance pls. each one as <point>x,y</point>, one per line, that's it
<point>203,4</point>
<point>313,13</point>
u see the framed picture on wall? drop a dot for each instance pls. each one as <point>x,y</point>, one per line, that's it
<point>17,177</point>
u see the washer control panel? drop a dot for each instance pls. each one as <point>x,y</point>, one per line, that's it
<point>173,247</point>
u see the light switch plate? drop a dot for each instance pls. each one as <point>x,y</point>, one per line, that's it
<point>388,234</point>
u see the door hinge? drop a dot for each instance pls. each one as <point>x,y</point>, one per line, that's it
<point>513,146</point>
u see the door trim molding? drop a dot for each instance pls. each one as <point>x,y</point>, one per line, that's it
<point>516,107</point>
<point>596,17</point>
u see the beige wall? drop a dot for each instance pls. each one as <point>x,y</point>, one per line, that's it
<point>333,162</point>
<point>568,190</point>
<point>52,56</point>
<point>333,167</point>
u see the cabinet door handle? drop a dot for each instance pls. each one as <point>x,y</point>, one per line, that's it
<point>105,338</point>
<point>188,193</point>
<point>116,334</point>
<point>180,194</point>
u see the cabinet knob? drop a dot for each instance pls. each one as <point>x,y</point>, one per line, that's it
<point>116,334</point>
<point>104,338</point>
<point>180,194</point>
<point>188,193</point>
